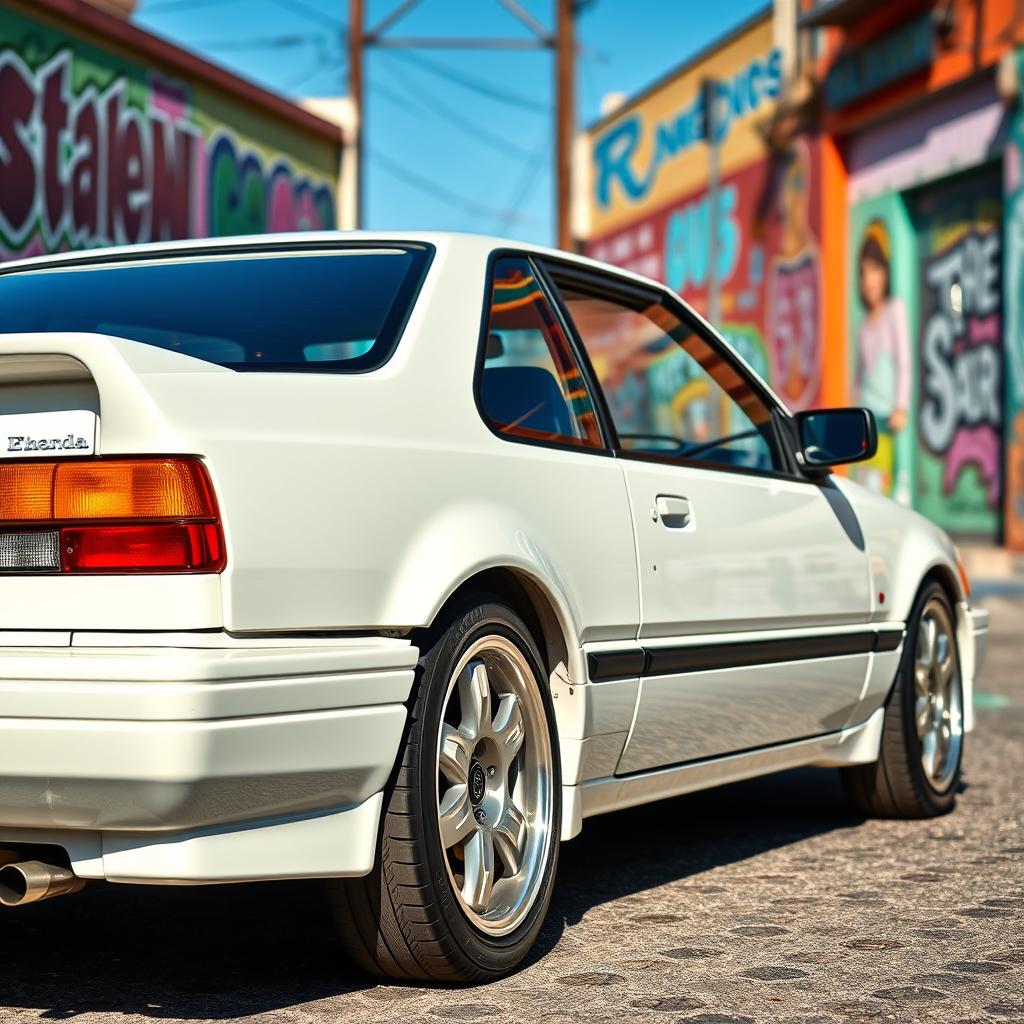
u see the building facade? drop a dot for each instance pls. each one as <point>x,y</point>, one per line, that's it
<point>911,95</point>
<point>869,218</point>
<point>111,135</point>
<point>650,208</point>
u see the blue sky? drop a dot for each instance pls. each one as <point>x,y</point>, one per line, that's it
<point>456,140</point>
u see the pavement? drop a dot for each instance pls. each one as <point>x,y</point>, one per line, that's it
<point>769,900</point>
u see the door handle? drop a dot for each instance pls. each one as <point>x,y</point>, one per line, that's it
<point>674,511</point>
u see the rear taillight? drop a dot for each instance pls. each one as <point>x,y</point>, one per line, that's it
<point>109,515</point>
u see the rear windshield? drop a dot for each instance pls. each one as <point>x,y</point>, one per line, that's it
<point>336,311</point>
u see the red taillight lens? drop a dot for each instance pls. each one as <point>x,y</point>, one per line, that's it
<point>118,515</point>
<point>162,547</point>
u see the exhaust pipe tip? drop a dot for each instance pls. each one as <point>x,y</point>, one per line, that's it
<point>30,881</point>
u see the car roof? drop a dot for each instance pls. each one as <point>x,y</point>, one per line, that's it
<point>443,240</point>
<point>455,242</point>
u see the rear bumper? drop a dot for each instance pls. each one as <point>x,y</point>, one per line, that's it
<point>202,764</point>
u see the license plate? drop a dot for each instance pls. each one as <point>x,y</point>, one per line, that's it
<point>48,435</point>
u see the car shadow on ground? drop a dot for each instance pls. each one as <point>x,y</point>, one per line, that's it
<point>234,951</point>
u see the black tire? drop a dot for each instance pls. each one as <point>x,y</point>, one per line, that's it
<point>897,785</point>
<point>404,920</point>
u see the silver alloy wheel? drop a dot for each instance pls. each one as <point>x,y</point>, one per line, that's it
<point>494,785</point>
<point>938,695</point>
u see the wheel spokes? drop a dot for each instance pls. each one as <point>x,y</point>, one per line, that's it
<point>929,752</point>
<point>455,754</point>
<point>510,838</point>
<point>509,731</point>
<point>922,715</point>
<point>455,816</point>
<point>479,877</point>
<point>926,642</point>
<point>475,699</point>
<point>922,681</point>
<point>495,780</point>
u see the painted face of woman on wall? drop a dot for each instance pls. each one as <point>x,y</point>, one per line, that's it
<point>874,282</point>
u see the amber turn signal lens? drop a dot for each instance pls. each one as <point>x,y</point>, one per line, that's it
<point>26,491</point>
<point>105,489</point>
<point>132,489</point>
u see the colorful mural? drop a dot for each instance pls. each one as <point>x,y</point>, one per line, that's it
<point>1013,231</point>
<point>99,150</point>
<point>883,310</point>
<point>959,474</point>
<point>651,211</point>
<point>769,262</point>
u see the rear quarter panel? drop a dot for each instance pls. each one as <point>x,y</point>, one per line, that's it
<point>361,502</point>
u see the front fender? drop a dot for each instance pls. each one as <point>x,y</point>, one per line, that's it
<point>903,547</point>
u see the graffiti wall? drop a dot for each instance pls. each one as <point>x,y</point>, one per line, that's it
<point>651,210</point>
<point>1013,295</point>
<point>96,149</point>
<point>882,332</point>
<point>959,477</point>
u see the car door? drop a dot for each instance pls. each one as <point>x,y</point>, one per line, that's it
<point>754,580</point>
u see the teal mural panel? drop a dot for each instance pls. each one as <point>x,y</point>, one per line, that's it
<point>882,328</point>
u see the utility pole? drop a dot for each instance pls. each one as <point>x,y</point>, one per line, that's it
<point>565,119</point>
<point>711,135</point>
<point>355,88</point>
<point>561,42</point>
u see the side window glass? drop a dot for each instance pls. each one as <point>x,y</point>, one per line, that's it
<point>531,386</point>
<point>668,390</point>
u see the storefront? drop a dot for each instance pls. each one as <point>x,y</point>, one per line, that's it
<point>113,136</point>
<point>910,99</point>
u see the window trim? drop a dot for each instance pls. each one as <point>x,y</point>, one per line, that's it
<point>630,293</point>
<point>606,448</point>
<point>393,328</point>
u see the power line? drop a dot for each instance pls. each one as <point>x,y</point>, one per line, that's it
<point>184,5</point>
<point>527,180</point>
<point>470,82</point>
<point>311,71</point>
<point>435,106</point>
<point>445,195</point>
<point>266,43</point>
<point>306,10</point>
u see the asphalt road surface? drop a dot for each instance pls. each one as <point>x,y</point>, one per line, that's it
<point>763,901</point>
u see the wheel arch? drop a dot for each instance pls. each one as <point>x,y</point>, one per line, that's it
<point>530,599</point>
<point>549,620</point>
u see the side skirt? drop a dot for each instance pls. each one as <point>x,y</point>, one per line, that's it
<point>857,745</point>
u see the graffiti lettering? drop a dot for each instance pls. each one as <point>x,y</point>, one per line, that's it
<point>614,152</point>
<point>961,403</point>
<point>688,242</point>
<point>245,199</point>
<point>99,168</point>
<point>83,171</point>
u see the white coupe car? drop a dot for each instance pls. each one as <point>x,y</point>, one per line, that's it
<point>391,558</point>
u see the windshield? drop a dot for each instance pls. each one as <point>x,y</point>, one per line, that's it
<point>333,311</point>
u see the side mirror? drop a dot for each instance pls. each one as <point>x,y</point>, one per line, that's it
<point>831,437</point>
